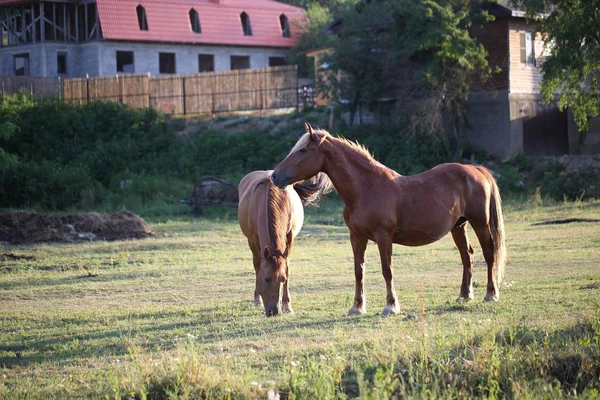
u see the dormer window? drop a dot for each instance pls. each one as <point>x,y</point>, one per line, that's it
<point>142,20</point>
<point>195,21</point>
<point>285,26</point>
<point>246,27</point>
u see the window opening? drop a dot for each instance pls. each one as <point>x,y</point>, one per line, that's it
<point>206,63</point>
<point>195,21</point>
<point>246,27</point>
<point>125,62</point>
<point>276,61</point>
<point>285,26</point>
<point>22,64</point>
<point>166,63</point>
<point>240,62</point>
<point>61,63</point>
<point>527,55</point>
<point>142,19</point>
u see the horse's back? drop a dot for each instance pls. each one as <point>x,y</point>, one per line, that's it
<point>249,204</point>
<point>253,202</point>
<point>249,182</point>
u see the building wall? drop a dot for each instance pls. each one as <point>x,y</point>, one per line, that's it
<point>524,78</point>
<point>82,59</point>
<point>489,125</point>
<point>100,58</point>
<point>186,56</point>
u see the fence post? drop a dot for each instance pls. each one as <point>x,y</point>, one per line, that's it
<point>60,94</point>
<point>298,96</point>
<point>87,88</point>
<point>183,93</point>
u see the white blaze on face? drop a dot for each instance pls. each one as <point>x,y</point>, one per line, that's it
<point>301,143</point>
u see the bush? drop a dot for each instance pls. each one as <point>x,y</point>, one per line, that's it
<point>555,182</point>
<point>394,147</point>
<point>57,156</point>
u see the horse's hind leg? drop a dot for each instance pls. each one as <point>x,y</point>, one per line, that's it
<point>384,243</point>
<point>459,234</point>
<point>487,245</point>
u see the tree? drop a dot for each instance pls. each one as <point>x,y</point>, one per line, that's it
<point>419,52</point>
<point>571,29</point>
<point>319,14</point>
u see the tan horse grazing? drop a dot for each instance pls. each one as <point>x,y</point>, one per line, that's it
<point>383,206</point>
<point>270,218</point>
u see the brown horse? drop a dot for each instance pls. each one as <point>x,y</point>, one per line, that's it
<point>270,218</point>
<point>383,206</point>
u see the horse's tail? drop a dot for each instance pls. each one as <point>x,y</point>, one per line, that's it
<point>496,225</point>
<point>310,193</point>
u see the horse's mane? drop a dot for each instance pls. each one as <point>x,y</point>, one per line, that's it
<point>278,222</point>
<point>357,147</point>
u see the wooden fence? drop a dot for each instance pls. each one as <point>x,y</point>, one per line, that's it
<point>202,93</point>
<point>36,87</point>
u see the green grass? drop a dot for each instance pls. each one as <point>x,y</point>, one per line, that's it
<point>171,316</point>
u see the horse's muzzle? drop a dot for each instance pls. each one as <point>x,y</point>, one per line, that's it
<point>271,312</point>
<point>279,180</point>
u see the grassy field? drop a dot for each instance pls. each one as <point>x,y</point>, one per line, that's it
<point>171,316</point>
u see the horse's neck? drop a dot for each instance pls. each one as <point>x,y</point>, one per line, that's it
<point>278,219</point>
<point>349,171</point>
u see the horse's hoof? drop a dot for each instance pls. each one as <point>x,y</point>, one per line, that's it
<point>287,308</point>
<point>257,302</point>
<point>465,299</point>
<point>357,311</point>
<point>390,309</point>
<point>491,297</point>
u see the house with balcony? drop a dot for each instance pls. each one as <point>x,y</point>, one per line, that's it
<point>75,38</point>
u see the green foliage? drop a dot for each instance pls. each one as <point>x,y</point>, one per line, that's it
<point>420,53</point>
<point>572,31</point>
<point>398,149</point>
<point>57,156</point>
<point>61,156</point>
<point>234,155</point>
<point>555,182</point>
<point>312,38</point>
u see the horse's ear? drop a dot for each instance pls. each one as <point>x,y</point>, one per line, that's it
<point>310,130</point>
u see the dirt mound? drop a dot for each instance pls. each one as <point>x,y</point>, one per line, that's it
<point>20,227</point>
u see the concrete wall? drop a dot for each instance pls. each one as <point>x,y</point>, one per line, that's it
<point>186,56</point>
<point>490,127</point>
<point>99,58</point>
<point>81,59</point>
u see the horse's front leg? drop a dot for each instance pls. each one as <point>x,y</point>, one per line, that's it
<point>384,243</point>
<point>286,305</point>
<point>256,261</point>
<point>359,245</point>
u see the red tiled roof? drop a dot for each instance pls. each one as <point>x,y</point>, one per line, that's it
<point>168,21</point>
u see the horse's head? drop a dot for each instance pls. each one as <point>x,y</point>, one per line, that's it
<point>271,276</point>
<point>304,161</point>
